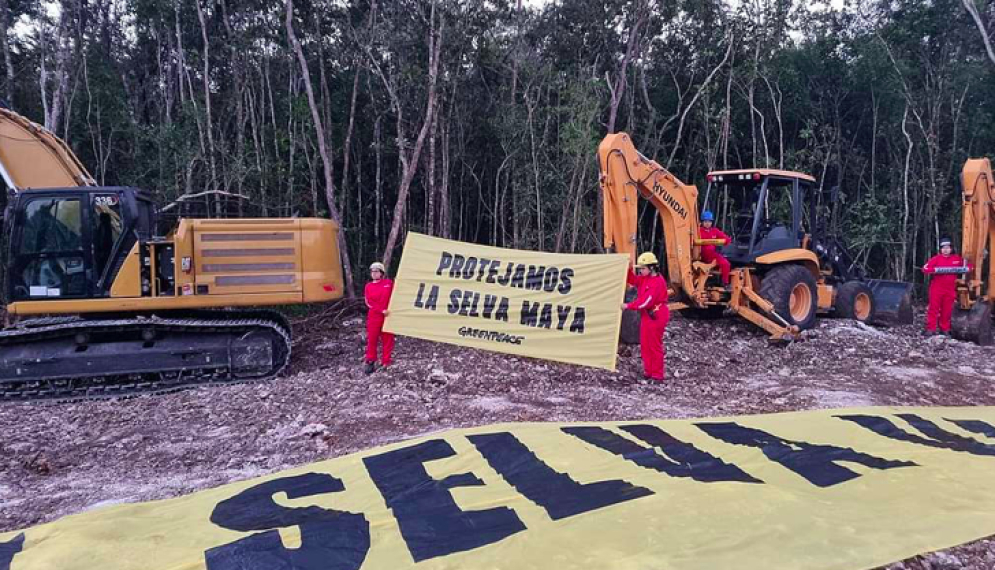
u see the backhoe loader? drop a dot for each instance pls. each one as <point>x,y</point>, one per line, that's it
<point>129,310</point>
<point>972,316</point>
<point>782,275</point>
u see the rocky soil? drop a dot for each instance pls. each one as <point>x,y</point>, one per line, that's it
<point>62,458</point>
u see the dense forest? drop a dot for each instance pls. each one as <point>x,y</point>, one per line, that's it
<point>479,120</point>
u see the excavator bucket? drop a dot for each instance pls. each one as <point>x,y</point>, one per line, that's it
<point>892,302</point>
<point>974,324</point>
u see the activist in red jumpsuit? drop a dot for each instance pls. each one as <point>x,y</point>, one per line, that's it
<point>942,287</point>
<point>377,294</point>
<point>651,302</point>
<point>709,252</point>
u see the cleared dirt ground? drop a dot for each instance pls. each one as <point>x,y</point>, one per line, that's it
<point>57,459</point>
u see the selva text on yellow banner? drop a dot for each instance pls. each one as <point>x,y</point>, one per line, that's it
<point>544,305</point>
<point>824,489</point>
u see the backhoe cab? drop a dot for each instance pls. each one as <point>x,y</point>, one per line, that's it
<point>63,243</point>
<point>762,210</point>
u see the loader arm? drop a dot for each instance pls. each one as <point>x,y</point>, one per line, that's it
<point>626,175</point>
<point>978,229</point>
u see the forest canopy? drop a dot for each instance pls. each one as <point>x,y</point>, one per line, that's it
<point>479,120</point>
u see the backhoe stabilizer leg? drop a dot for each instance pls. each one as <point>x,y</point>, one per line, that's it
<point>766,306</point>
<point>741,307</point>
<point>776,331</point>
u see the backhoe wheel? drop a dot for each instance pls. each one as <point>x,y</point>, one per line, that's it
<point>792,291</point>
<point>854,300</point>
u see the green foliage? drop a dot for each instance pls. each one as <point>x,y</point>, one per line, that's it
<point>877,97</point>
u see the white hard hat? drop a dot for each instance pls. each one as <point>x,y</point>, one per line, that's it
<point>377,266</point>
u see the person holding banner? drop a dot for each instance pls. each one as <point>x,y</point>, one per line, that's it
<point>945,267</point>
<point>377,296</point>
<point>651,302</point>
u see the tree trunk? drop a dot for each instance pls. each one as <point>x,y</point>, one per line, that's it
<point>444,215</point>
<point>347,144</point>
<point>972,9</point>
<point>322,149</point>
<point>635,39</point>
<point>206,54</point>
<point>430,181</point>
<point>5,39</point>
<point>410,164</point>
<point>53,109</point>
<point>704,85</point>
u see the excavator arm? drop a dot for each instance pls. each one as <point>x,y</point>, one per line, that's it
<point>32,157</point>
<point>626,175</point>
<point>978,225</point>
<point>972,318</point>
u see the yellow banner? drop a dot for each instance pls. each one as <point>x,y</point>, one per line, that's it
<point>821,489</point>
<point>544,305</point>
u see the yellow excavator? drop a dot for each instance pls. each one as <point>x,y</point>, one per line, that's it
<point>782,275</point>
<point>972,316</point>
<point>98,303</point>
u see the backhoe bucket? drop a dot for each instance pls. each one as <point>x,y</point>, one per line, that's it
<point>892,302</point>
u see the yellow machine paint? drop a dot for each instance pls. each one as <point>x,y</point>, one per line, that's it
<point>223,263</point>
<point>972,316</point>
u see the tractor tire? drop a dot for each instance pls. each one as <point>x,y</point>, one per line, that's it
<point>854,300</point>
<point>792,291</point>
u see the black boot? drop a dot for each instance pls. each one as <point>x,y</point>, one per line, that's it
<point>370,367</point>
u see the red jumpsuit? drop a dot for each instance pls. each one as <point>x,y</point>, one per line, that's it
<point>651,302</point>
<point>377,294</point>
<point>942,290</point>
<point>709,253</point>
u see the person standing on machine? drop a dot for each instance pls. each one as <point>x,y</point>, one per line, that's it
<point>709,253</point>
<point>651,302</point>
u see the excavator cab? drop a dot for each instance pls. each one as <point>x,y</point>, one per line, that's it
<point>70,243</point>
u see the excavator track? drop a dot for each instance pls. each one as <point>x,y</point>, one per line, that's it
<point>73,358</point>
